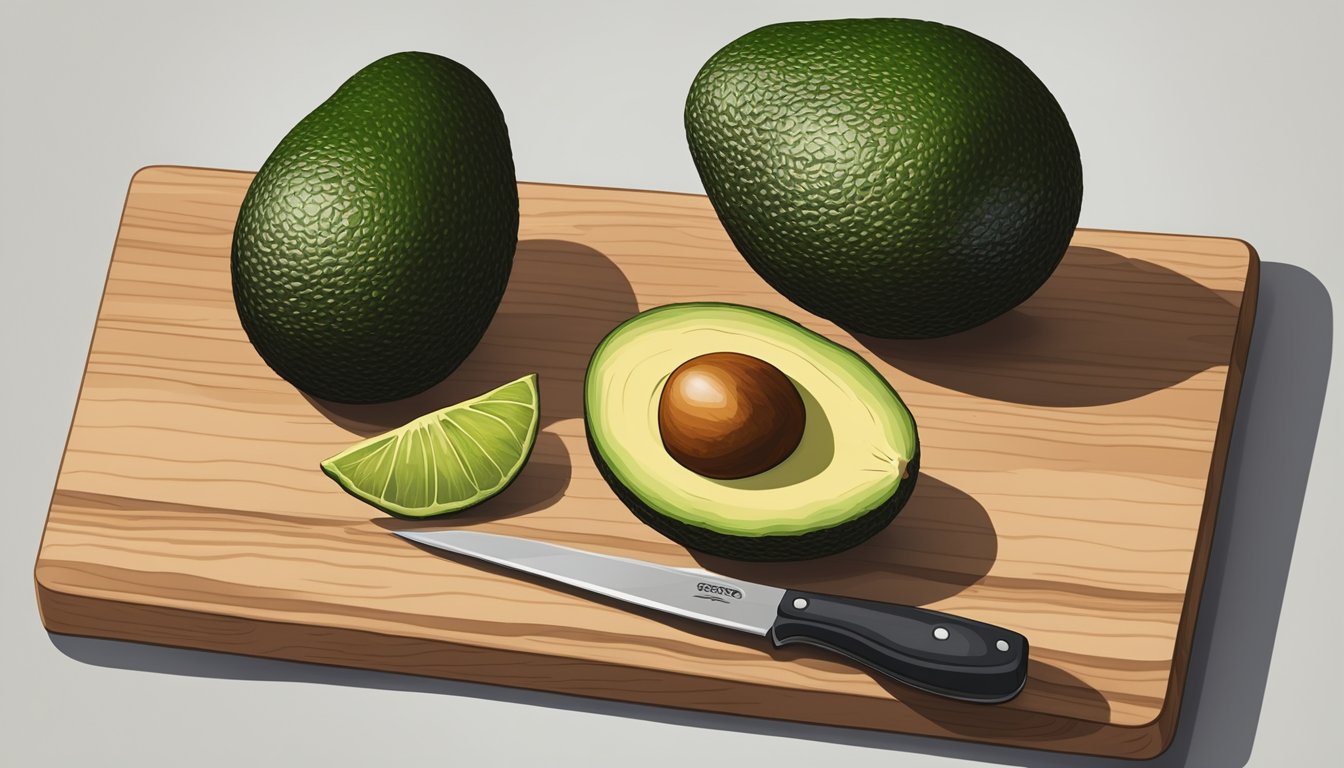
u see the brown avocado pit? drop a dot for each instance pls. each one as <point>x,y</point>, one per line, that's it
<point>727,415</point>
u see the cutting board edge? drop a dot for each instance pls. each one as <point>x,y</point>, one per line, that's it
<point>75,615</point>
<point>1168,717</point>
<point>84,371</point>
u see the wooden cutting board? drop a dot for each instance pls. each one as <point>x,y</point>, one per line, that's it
<point>1073,454</point>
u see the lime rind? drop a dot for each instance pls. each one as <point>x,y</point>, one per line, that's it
<point>448,460</point>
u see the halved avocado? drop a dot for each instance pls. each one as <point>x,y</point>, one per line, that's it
<point>853,470</point>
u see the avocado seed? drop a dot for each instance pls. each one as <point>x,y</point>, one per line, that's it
<point>726,415</point>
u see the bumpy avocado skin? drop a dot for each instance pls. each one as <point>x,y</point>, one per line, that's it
<point>804,546</point>
<point>902,178</point>
<point>374,245</point>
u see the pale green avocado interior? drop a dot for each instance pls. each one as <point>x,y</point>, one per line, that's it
<point>856,444</point>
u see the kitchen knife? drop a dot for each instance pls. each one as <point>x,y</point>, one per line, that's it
<point>935,652</point>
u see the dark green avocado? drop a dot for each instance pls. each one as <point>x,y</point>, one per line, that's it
<point>901,178</point>
<point>374,245</point>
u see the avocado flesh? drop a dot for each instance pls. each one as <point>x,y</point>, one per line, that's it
<point>852,471</point>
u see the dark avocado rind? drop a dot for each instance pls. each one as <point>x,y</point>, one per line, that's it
<point>805,546</point>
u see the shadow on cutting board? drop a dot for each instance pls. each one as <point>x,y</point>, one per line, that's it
<point>1103,329</point>
<point>1278,419</point>
<point>941,543</point>
<point>562,299</point>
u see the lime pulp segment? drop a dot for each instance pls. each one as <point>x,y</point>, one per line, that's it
<point>448,460</point>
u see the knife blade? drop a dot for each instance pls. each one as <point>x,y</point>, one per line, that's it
<point>935,652</point>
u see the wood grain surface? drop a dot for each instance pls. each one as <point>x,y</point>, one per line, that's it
<point>1073,453</point>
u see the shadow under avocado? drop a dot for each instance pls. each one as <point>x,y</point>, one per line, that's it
<point>562,299</point>
<point>1103,329</point>
<point>941,543</point>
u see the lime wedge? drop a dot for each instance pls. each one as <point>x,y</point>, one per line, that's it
<point>447,460</point>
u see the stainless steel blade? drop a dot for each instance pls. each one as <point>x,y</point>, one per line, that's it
<point>695,594</point>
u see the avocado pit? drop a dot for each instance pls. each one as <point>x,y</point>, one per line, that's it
<point>728,415</point>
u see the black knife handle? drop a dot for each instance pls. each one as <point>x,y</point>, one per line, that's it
<point>933,651</point>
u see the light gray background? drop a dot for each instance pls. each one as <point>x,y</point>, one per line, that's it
<point>1219,118</point>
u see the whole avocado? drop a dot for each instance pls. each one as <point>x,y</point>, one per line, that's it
<point>902,178</point>
<point>374,245</point>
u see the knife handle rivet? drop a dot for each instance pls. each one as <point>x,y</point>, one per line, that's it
<point>1002,645</point>
<point>940,633</point>
<point>800,603</point>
